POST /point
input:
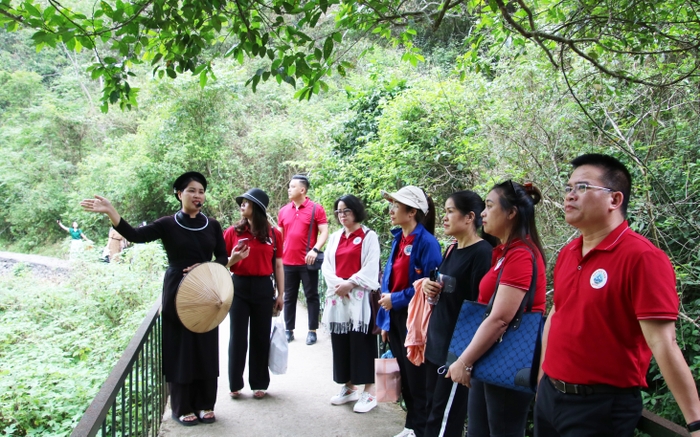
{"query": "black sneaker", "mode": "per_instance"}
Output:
(290, 335)
(311, 338)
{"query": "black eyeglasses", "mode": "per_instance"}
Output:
(345, 211)
(582, 187)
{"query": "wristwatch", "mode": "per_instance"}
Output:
(693, 426)
(314, 249)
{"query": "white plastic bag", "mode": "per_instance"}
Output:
(279, 350)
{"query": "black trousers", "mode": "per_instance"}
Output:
(293, 276)
(190, 398)
(353, 357)
(497, 411)
(252, 305)
(570, 415)
(446, 403)
(412, 376)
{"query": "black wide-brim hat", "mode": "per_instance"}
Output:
(177, 185)
(256, 195)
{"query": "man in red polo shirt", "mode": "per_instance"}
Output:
(615, 304)
(301, 248)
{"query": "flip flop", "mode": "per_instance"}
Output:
(235, 394)
(181, 420)
(259, 394)
(203, 419)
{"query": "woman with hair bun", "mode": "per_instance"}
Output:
(414, 253)
(463, 265)
(510, 217)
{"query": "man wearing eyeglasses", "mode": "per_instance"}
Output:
(615, 304)
(304, 227)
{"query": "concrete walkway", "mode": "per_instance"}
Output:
(296, 404)
(53, 263)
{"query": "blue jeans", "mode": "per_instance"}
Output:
(495, 411)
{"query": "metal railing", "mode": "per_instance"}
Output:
(657, 426)
(132, 400)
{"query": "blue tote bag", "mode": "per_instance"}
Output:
(513, 362)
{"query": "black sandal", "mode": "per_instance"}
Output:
(181, 420)
(203, 419)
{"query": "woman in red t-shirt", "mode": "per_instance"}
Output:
(256, 253)
(510, 217)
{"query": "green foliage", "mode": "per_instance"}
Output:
(59, 341)
(380, 125)
(362, 127)
(302, 43)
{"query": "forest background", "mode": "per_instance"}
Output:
(462, 104)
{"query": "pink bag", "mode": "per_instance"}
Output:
(387, 379)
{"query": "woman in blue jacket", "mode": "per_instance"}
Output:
(414, 253)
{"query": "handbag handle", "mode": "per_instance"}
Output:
(528, 300)
(311, 227)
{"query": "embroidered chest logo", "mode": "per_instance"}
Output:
(498, 263)
(357, 241)
(599, 278)
(407, 250)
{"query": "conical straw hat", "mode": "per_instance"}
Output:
(204, 297)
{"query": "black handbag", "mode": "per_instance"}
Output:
(513, 362)
(319, 255)
(374, 297)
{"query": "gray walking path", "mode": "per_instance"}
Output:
(296, 404)
(53, 263)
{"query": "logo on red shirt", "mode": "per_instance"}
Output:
(357, 241)
(407, 250)
(599, 278)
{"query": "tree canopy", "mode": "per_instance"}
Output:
(304, 41)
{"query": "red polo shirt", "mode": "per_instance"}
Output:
(517, 273)
(348, 255)
(259, 261)
(402, 261)
(295, 224)
(594, 336)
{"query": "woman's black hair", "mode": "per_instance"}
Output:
(354, 204)
(467, 202)
(523, 199)
(426, 219)
(260, 228)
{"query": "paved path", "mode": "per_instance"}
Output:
(46, 261)
(297, 404)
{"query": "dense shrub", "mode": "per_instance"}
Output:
(60, 339)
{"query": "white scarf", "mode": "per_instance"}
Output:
(352, 312)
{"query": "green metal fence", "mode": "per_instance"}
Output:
(132, 400)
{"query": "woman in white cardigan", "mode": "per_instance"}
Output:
(351, 269)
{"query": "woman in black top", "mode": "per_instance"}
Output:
(190, 360)
(465, 261)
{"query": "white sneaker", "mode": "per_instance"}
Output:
(366, 403)
(407, 432)
(346, 395)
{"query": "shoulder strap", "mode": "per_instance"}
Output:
(528, 299)
(449, 250)
(274, 246)
(311, 227)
